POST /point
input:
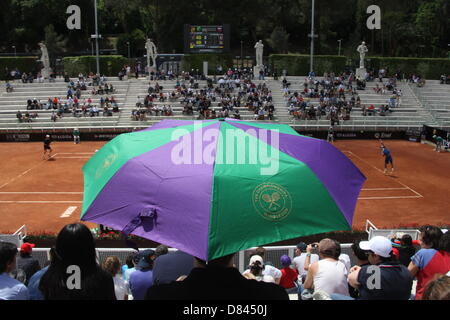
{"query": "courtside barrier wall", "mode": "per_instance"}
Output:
(38, 136)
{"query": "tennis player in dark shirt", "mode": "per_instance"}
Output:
(47, 149)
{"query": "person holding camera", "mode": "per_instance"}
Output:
(328, 275)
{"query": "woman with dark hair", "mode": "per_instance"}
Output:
(74, 273)
(433, 258)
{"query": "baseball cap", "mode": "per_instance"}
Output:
(302, 246)
(27, 247)
(145, 259)
(255, 259)
(378, 245)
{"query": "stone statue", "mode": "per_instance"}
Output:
(362, 49)
(45, 59)
(151, 53)
(259, 53)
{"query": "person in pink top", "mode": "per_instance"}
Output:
(432, 259)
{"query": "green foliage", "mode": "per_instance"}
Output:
(24, 64)
(195, 61)
(136, 40)
(298, 65)
(109, 65)
(428, 68)
(279, 40)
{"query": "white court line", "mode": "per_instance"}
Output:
(382, 172)
(68, 212)
(383, 198)
(73, 158)
(384, 189)
(41, 201)
(25, 172)
(69, 153)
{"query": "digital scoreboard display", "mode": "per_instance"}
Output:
(206, 39)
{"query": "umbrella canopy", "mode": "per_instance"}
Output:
(212, 188)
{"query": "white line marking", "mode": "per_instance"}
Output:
(80, 153)
(74, 158)
(41, 201)
(24, 173)
(382, 198)
(384, 189)
(382, 172)
(68, 212)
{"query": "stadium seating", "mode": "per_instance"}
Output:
(435, 97)
(409, 114)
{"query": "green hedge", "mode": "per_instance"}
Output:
(427, 67)
(24, 64)
(109, 65)
(195, 61)
(298, 64)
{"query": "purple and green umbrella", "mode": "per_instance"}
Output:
(212, 188)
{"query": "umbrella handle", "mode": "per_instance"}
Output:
(146, 218)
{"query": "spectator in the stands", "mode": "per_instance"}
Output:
(161, 250)
(255, 270)
(135, 260)
(269, 269)
(433, 258)
(33, 284)
(142, 279)
(217, 280)
(128, 265)
(19, 116)
(328, 275)
(26, 262)
(171, 266)
(10, 289)
(438, 288)
(121, 287)
(75, 246)
(406, 250)
(385, 278)
(299, 261)
(362, 259)
(289, 276)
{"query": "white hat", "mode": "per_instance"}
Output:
(256, 258)
(379, 245)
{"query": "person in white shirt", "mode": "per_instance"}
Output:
(10, 289)
(269, 270)
(328, 275)
(256, 270)
(121, 287)
(299, 261)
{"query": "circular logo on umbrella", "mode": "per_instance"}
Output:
(108, 162)
(272, 201)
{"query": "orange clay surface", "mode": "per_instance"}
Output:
(38, 193)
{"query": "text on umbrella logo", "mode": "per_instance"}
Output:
(272, 201)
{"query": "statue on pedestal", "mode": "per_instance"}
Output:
(45, 59)
(259, 46)
(151, 53)
(362, 49)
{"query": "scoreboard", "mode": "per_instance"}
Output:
(206, 39)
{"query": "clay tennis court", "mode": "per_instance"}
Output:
(46, 195)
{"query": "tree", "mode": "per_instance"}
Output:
(279, 40)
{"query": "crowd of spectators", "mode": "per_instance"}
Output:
(221, 99)
(160, 275)
(337, 96)
(445, 79)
